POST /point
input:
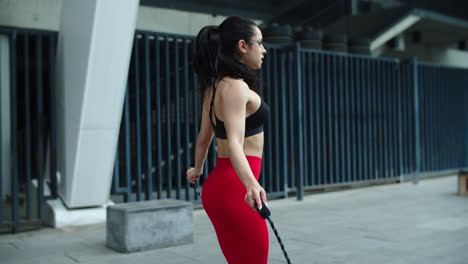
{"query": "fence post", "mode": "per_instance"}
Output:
(300, 155)
(14, 142)
(1, 141)
(415, 177)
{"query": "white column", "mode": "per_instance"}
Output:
(94, 49)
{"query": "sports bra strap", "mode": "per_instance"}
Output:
(212, 106)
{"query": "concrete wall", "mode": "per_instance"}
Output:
(36, 14)
(45, 14)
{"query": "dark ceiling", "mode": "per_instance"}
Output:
(312, 12)
(260, 9)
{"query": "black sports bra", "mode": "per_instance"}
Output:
(253, 123)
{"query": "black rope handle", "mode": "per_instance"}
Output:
(196, 189)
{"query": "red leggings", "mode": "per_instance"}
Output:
(242, 233)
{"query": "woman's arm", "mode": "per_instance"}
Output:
(234, 101)
(205, 137)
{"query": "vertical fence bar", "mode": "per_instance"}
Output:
(366, 118)
(293, 122)
(27, 122)
(416, 120)
(40, 127)
(149, 158)
(186, 115)
(335, 116)
(404, 129)
(284, 146)
(346, 121)
(274, 125)
(307, 113)
(410, 116)
(357, 120)
(167, 91)
(394, 113)
(158, 118)
(465, 111)
(52, 118)
(465, 128)
(426, 129)
(318, 143)
(1, 150)
(390, 123)
(360, 119)
(379, 161)
(268, 136)
(14, 137)
(444, 121)
(436, 119)
(447, 122)
(128, 161)
(369, 118)
(137, 111)
(452, 115)
(373, 119)
(329, 89)
(196, 115)
(300, 173)
(399, 102)
(342, 115)
(128, 150)
(177, 157)
(312, 131)
(354, 123)
(387, 121)
(430, 124)
(422, 109)
(323, 119)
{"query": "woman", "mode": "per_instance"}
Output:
(226, 59)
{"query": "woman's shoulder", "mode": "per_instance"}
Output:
(230, 85)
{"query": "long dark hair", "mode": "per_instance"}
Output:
(215, 53)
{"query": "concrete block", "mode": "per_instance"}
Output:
(145, 225)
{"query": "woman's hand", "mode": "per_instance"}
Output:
(255, 195)
(193, 175)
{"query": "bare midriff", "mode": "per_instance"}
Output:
(253, 146)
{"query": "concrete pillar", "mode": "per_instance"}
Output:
(94, 49)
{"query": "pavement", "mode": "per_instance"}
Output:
(392, 223)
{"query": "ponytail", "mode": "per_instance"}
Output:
(207, 56)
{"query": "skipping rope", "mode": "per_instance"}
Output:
(265, 214)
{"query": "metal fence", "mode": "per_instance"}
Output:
(28, 131)
(160, 120)
(443, 117)
(336, 119)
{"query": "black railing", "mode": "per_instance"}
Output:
(443, 117)
(32, 127)
(336, 119)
